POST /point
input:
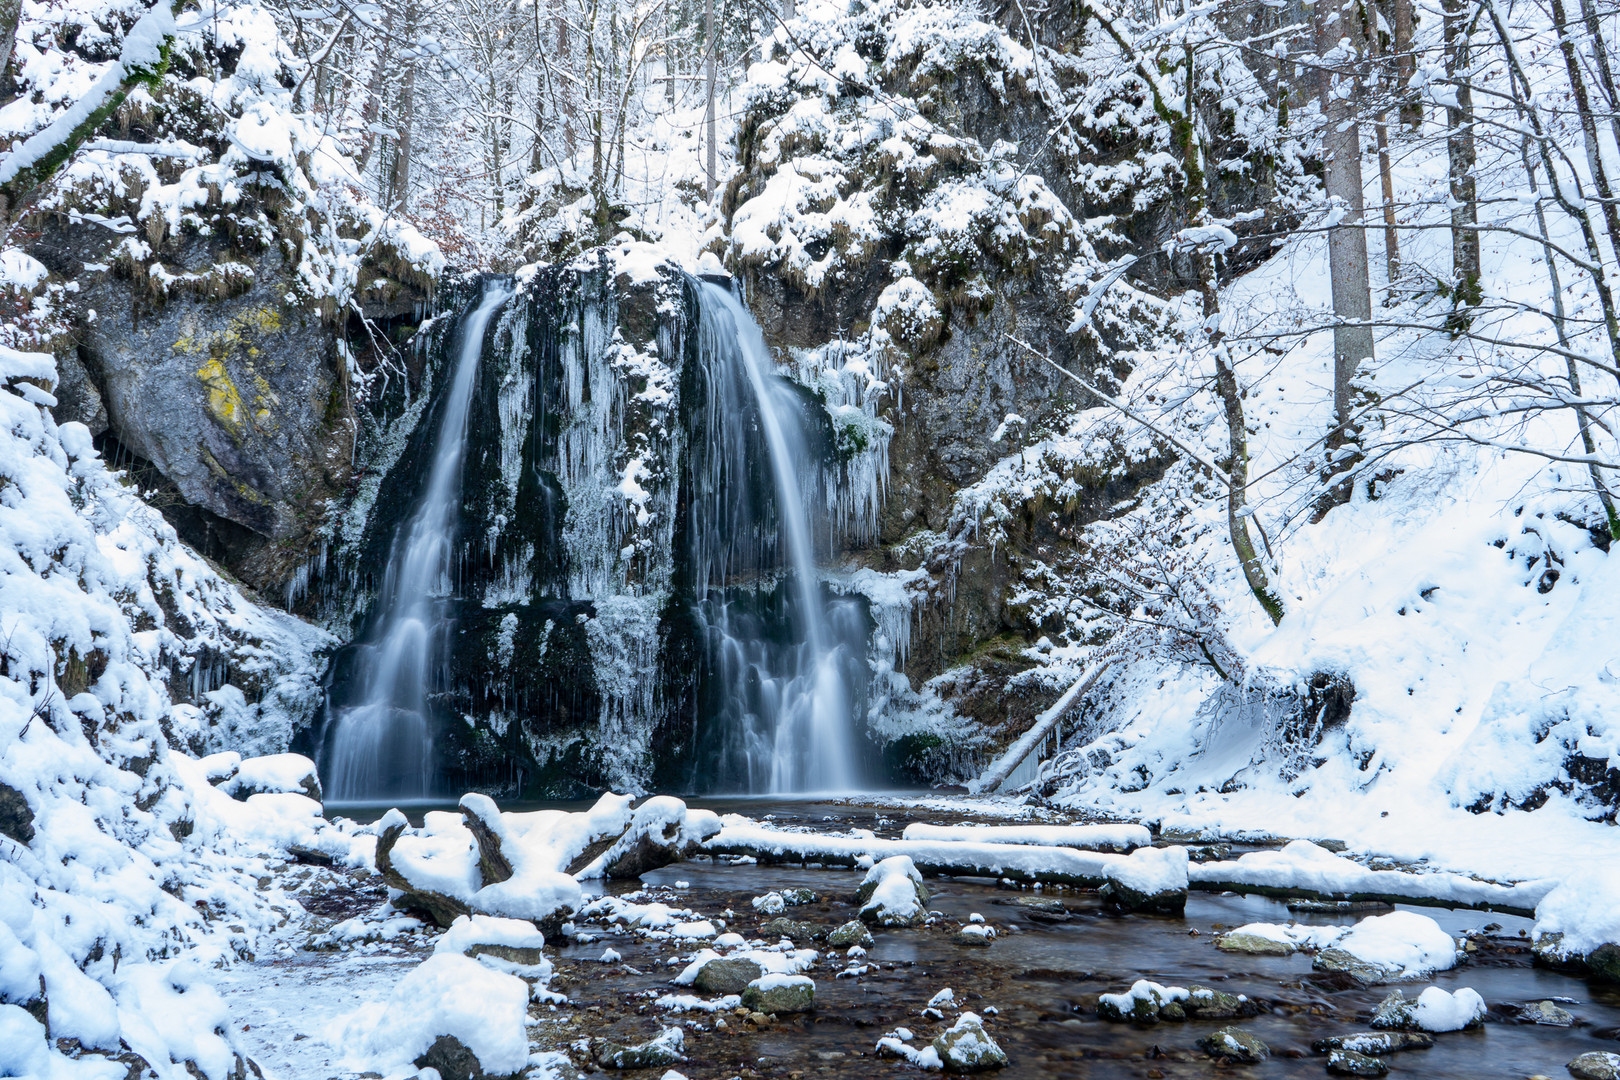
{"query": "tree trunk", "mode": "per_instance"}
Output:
(1605, 70)
(1461, 157)
(1582, 420)
(1589, 132)
(371, 111)
(1392, 241)
(399, 180)
(708, 108)
(1406, 66)
(10, 16)
(1339, 41)
(787, 10)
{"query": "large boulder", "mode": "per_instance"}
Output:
(1578, 923)
(965, 1047)
(893, 894)
(727, 975)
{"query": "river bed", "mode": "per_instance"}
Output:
(1036, 986)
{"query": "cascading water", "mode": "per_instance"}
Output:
(383, 746)
(783, 705)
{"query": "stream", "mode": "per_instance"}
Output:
(1036, 986)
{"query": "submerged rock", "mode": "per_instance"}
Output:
(1350, 1063)
(1041, 908)
(853, 932)
(1596, 1065)
(725, 976)
(1235, 1044)
(772, 994)
(966, 1047)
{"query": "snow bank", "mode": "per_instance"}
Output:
(1584, 910)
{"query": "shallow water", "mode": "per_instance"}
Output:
(1042, 978)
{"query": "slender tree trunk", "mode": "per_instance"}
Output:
(1406, 65)
(566, 97)
(1605, 69)
(1589, 132)
(787, 10)
(1461, 157)
(1339, 39)
(1582, 420)
(1392, 241)
(399, 182)
(371, 111)
(1226, 385)
(708, 108)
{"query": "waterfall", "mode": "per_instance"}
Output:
(383, 746)
(783, 704)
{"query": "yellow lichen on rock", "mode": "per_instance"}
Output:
(224, 400)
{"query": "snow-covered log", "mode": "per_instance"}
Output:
(1147, 879)
(997, 773)
(1304, 869)
(1121, 839)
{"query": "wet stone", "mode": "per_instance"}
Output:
(792, 929)
(1235, 1044)
(774, 994)
(652, 1054)
(1375, 1042)
(1204, 1003)
(719, 977)
(1350, 1063)
(1547, 1013)
(1596, 1065)
(1344, 963)
(1253, 945)
(967, 1048)
(976, 936)
(853, 932)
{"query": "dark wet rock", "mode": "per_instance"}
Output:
(454, 1061)
(727, 976)
(1395, 1012)
(1253, 945)
(1375, 1042)
(967, 1048)
(1596, 1065)
(1350, 1063)
(853, 932)
(1142, 1004)
(16, 816)
(1204, 1003)
(792, 929)
(1547, 1013)
(775, 994)
(657, 1053)
(798, 897)
(1602, 962)
(1234, 1044)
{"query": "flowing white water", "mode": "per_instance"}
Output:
(789, 707)
(383, 747)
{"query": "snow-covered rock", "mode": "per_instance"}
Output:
(447, 1007)
(780, 993)
(1434, 1010)
(893, 894)
(276, 774)
(1384, 948)
(965, 1047)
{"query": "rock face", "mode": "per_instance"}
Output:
(205, 377)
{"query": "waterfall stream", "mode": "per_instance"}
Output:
(383, 746)
(783, 704)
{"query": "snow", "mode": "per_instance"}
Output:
(1439, 1010)
(1584, 910)
(1089, 837)
(449, 994)
(1144, 990)
(1404, 943)
(777, 980)
(274, 773)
